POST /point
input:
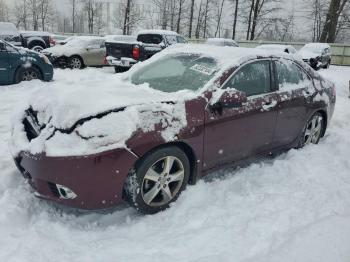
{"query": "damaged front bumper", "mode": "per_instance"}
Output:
(86, 182)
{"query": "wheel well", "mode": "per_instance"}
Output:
(36, 43)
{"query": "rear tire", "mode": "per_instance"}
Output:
(157, 180)
(38, 48)
(120, 69)
(27, 74)
(313, 130)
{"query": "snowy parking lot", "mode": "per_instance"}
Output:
(295, 207)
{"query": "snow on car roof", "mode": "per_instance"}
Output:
(317, 45)
(225, 56)
(273, 46)
(120, 38)
(35, 33)
(160, 32)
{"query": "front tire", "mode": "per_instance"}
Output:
(158, 180)
(27, 74)
(313, 130)
(76, 62)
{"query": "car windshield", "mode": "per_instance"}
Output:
(177, 72)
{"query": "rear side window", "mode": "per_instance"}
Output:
(253, 78)
(289, 74)
(150, 39)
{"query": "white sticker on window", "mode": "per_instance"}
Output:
(202, 69)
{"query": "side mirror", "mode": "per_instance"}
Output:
(162, 45)
(229, 99)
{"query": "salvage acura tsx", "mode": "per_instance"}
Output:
(166, 123)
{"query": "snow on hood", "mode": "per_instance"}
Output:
(63, 50)
(66, 107)
(127, 107)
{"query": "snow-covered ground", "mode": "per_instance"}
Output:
(295, 207)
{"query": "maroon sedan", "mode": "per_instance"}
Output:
(166, 123)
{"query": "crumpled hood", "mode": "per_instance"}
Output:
(307, 54)
(64, 109)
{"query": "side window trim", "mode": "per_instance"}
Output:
(272, 81)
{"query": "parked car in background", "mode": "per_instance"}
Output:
(10, 34)
(124, 54)
(189, 110)
(221, 42)
(318, 55)
(18, 64)
(78, 53)
(280, 48)
(58, 39)
(35, 40)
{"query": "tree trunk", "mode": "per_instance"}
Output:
(198, 27)
(250, 18)
(330, 28)
(179, 17)
(255, 19)
(191, 19)
(205, 19)
(219, 18)
(235, 21)
(126, 18)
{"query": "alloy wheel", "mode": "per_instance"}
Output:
(29, 74)
(75, 63)
(313, 130)
(162, 181)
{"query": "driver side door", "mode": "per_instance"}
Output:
(246, 130)
(4, 65)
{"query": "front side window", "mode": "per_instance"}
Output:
(252, 79)
(177, 72)
(289, 74)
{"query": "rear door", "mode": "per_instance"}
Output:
(294, 97)
(95, 53)
(4, 66)
(238, 133)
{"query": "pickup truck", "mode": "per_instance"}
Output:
(34, 40)
(124, 54)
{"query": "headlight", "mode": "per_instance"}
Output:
(46, 60)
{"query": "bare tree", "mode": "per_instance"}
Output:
(179, 16)
(126, 28)
(191, 19)
(234, 26)
(4, 11)
(219, 18)
(20, 13)
(74, 12)
(44, 9)
(206, 16)
(330, 27)
(199, 20)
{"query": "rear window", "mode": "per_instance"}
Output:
(150, 38)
